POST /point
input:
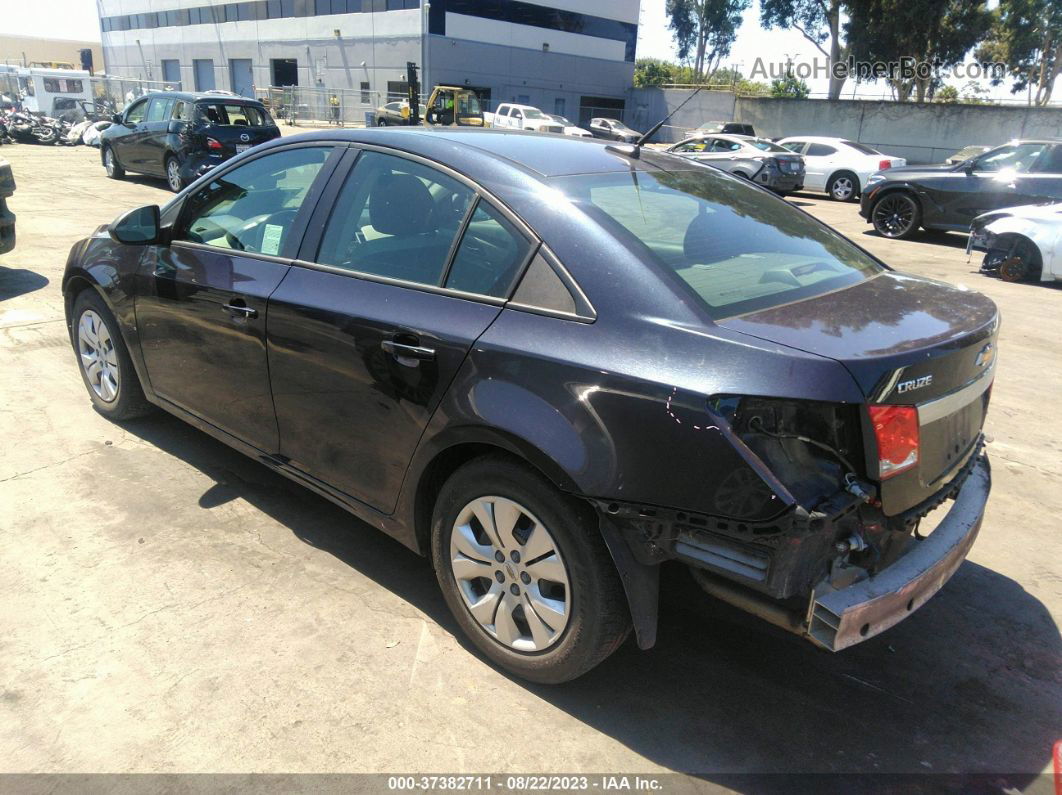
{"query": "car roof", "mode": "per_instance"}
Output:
(199, 96)
(542, 155)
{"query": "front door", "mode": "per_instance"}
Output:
(128, 142)
(156, 128)
(364, 342)
(999, 178)
(202, 302)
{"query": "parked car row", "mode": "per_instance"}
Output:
(757, 159)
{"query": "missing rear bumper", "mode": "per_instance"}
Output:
(845, 617)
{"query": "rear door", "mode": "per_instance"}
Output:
(1043, 183)
(818, 164)
(153, 143)
(371, 325)
(201, 301)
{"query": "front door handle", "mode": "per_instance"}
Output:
(240, 309)
(408, 352)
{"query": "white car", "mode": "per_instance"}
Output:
(1020, 243)
(524, 117)
(838, 166)
(569, 128)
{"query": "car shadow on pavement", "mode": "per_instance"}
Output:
(968, 686)
(934, 237)
(19, 281)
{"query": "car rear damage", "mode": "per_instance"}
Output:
(848, 553)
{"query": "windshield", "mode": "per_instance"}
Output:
(532, 113)
(866, 150)
(231, 114)
(733, 247)
(768, 146)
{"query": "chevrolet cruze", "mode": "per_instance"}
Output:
(552, 365)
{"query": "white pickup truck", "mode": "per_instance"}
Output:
(525, 117)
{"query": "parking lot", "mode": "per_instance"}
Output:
(172, 606)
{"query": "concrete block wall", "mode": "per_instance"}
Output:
(922, 133)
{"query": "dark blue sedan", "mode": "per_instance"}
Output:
(553, 365)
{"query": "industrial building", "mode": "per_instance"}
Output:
(573, 57)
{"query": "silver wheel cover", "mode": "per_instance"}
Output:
(99, 360)
(510, 574)
(173, 171)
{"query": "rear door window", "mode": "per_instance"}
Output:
(395, 218)
(224, 114)
(253, 206)
(820, 150)
(1018, 158)
(795, 146)
(490, 255)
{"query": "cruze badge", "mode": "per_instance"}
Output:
(985, 356)
(913, 384)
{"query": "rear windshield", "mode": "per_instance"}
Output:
(226, 114)
(735, 248)
(861, 148)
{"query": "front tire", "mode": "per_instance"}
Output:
(896, 215)
(103, 360)
(110, 162)
(525, 571)
(843, 186)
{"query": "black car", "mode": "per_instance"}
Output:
(181, 136)
(7, 218)
(725, 127)
(901, 200)
(552, 365)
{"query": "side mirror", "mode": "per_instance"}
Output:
(969, 166)
(116, 118)
(139, 227)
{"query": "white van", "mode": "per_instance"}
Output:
(53, 92)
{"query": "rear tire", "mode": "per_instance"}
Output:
(103, 360)
(843, 186)
(173, 175)
(110, 162)
(896, 215)
(549, 616)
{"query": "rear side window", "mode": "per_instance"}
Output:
(732, 247)
(795, 146)
(490, 255)
(252, 207)
(395, 218)
(219, 113)
(862, 148)
(182, 111)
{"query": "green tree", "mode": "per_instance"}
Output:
(789, 87)
(653, 72)
(1026, 35)
(819, 21)
(704, 31)
(947, 94)
(940, 32)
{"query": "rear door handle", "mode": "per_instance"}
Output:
(240, 309)
(402, 350)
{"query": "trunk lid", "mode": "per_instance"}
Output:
(906, 341)
(239, 138)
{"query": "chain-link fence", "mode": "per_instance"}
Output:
(322, 106)
(117, 92)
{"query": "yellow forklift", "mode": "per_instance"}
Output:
(448, 106)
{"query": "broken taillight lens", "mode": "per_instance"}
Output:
(896, 429)
(214, 144)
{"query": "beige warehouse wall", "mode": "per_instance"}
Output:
(12, 49)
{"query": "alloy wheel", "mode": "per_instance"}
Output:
(894, 215)
(173, 175)
(108, 161)
(98, 357)
(842, 189)
(510, 574)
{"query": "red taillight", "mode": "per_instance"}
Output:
(884, 164)
(213, 144)
(896, 429)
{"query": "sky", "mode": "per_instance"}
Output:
(76, 19)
